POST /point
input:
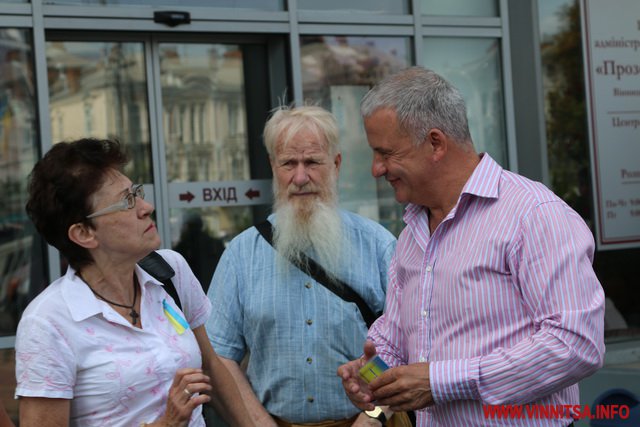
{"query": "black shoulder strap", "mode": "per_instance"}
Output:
(160, 269)
(320, 275)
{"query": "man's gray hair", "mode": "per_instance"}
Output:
(422, 100)
(286, 122)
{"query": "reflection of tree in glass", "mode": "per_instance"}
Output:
(567, 140)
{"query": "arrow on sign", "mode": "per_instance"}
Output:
(187, 196)
(252, 193)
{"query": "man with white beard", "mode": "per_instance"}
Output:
(296, 330)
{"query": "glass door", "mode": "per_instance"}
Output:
(190, 113)
(212, 193)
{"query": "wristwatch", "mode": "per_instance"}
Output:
(377, 414)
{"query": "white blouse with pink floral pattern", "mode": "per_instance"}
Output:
(71, 345)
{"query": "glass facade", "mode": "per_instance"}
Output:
(191, 112)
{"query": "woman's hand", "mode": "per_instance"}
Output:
(186, 393)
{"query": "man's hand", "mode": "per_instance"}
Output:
(404, 388)
(355, 388)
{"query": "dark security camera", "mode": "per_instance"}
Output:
(171, 18)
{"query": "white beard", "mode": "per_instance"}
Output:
(313, 228)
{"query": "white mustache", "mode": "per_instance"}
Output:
(307, 188)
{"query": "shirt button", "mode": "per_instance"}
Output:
(429, 268)
(424, 313)
(309, 360)
(309, 321)
(307, 285)
(310, 399)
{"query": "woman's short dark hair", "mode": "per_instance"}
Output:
(60, 188)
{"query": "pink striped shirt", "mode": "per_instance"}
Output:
(501, 300)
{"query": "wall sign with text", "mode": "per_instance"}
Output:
(223, 193)
(611, 41)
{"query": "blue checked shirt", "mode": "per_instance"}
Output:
(297, 331)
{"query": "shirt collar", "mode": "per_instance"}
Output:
(145, 278)
(81, 302)
(483, 182)
(79, 299)
(485, 179)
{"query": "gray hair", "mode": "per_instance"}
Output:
(422, 100)
(286, 122)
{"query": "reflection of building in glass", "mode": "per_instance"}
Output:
(17, 118)
(99, 89)
(204, 113)
(204, 126)
(17, 156)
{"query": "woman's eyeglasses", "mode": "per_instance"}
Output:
(128, 202)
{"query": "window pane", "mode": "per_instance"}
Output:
(473, 66)
(206, 144)
(376, 6)
(336, 72)
(21, 251)
(273, 5)
(460, 7)
(204, 114)
(98, 89)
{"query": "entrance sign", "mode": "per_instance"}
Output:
(611, 42)
(219, 193)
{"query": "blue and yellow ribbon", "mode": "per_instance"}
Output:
(179, 323)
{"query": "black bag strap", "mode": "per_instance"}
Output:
(320, 275)
(160, 269)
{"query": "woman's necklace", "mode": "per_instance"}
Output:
(133, 313)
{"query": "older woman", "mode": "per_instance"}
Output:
(99, 346)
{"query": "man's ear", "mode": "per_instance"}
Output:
(82, 235)
(439, 143)
(338, 161)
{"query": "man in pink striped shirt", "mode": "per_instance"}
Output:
(492, 298)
